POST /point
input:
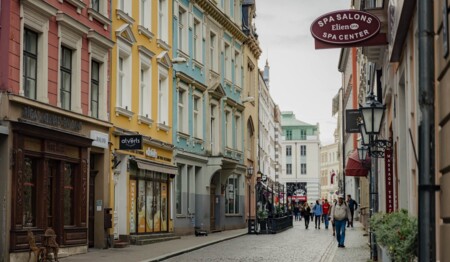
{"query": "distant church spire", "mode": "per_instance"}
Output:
(266, 76)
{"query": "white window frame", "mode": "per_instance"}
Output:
(197, 39)
(288, 169)
(163, 23)
(183, 108)
(145, 84)
(228, 128)
(238, 68)
(227, 58)
(72, 40)
(238, 131)
(232, 194)
(288, 150)
(125, 6)
(183, 40)
(302, 150)
(163, 96)
(214, 122)
(145, 13)
(37, 20)
(123, 91)
(100, 55)
(213, 45)
(197, 119)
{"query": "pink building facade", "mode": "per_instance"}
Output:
(54, 142)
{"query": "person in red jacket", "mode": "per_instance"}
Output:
(326, 212)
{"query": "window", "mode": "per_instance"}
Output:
(232, 195)
(198, 124)
(303, 150)
(228, 130)
(163, 20)
(96, 5)
(66, 78)
(289, 169)
(237, 69)
(125, 6)
(227, 61)
(303, 168)
(288, 150)
(182, 30)
(303, 134)
(197, 41)
(178, 189)
(30, 57)
(226, 7)
(145, 13)
(29, 192)
(124, 77)
(289, 134)
(145, 96)
(95, 76)
(69, 204)
(237, 120)
(182, 110)
(213, 52)
(163, 99)
(214, 129)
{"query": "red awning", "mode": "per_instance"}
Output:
(299, 198)
(354, 167)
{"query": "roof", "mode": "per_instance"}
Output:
(288, 119)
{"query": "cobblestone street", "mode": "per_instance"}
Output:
(296, 244)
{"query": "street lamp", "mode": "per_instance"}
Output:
(362, 153)
(372, 115)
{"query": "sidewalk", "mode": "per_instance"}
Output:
(158, 251)
(356, 249)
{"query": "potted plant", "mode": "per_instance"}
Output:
(262, 218)
(397, 232)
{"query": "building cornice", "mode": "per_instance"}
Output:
(253, 44)
(210, 7)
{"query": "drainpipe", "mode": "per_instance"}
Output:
(427, 187)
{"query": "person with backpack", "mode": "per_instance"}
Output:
(340, 213)
(317, 210)
(353, 206)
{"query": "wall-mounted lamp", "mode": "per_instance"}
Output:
(250, 171)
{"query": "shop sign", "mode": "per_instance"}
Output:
(389, 181)
(345, 27)
(352, 120)
(130, 142)
(99, 139)
(151, 152)
(50, 119)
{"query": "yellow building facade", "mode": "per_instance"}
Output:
(141, 113)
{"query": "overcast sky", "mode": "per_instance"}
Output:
(302, 79)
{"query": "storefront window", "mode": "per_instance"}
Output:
(68, 194)
(29, 192)
(232, 195)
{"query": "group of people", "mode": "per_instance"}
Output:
(340, 214)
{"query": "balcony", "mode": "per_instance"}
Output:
(378, 8)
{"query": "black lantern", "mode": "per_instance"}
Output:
(365, 138)
(372, 115)
(250, 170)
(363, 151)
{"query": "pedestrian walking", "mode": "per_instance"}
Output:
(340, 213)
(311, 205)
(317, 210)
(306, 211)
(326, 212)
(296, 212)
(353, 206)
(332, 221)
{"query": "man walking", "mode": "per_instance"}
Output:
(353, 206)
(317, 210)
(340, 212)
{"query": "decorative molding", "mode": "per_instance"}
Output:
(41, 7)
(162, 44)
(79, 4)
(124, 112)
(71, 23)
(144, 50)
(100, 39)
(124, 16)
(99, 17)
(145, 120)
(163, 127)
(146, 32)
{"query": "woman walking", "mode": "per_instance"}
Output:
(306, 212)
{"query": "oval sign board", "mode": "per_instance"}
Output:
(345, 27)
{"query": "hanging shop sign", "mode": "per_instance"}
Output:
(389, 181)
(352, 120)
(130, 142)
(347, 28)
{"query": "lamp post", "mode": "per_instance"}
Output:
(251, 224)
(372, 115)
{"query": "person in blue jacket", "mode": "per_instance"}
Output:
(317, 210)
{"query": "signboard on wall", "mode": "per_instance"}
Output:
(389, 181)
(130, 142)
(352, 119)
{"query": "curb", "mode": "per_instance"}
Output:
(187, 250)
